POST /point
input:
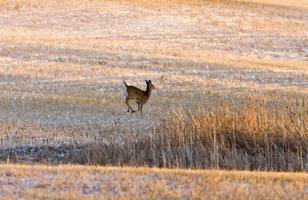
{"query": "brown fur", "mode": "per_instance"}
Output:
(140, 96)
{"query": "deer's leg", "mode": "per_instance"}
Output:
(128, 105)
(140, 108)
(138, 102)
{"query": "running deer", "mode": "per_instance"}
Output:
(140, 96)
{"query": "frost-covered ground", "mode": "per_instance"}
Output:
(62, 68)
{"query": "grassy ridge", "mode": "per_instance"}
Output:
(91, 182)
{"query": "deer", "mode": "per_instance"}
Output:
(140, 96)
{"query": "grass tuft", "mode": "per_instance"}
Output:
(255, 137)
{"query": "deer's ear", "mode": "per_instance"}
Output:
(149, 81)
(146, 81)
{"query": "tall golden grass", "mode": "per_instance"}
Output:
(251, 135)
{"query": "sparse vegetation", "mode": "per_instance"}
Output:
(90, 182)
(231, 79)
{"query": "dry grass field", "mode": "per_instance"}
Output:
(62, 66)
(90, 182)
(232, 93)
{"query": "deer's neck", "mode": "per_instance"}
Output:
(148, 91)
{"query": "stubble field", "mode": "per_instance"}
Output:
(90, 182)
(231, 79)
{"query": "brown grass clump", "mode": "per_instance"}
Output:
(246, 134)
(254, 137)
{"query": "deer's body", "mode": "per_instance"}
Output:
(140, 96)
